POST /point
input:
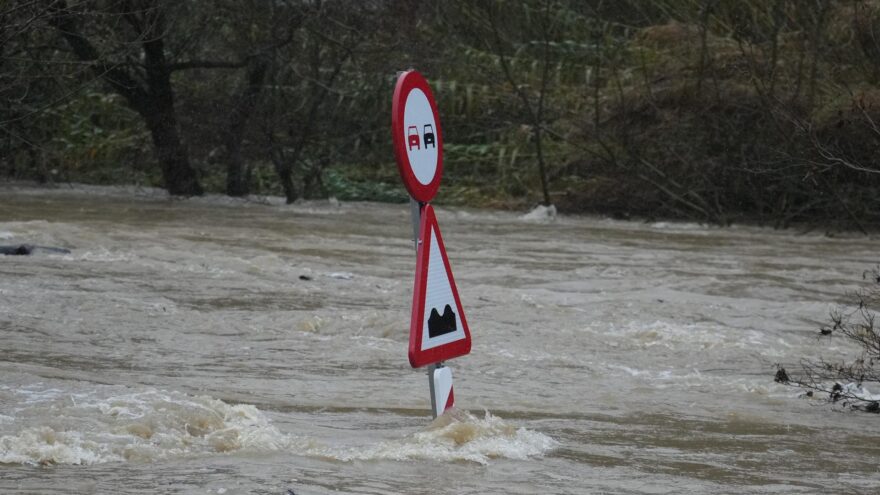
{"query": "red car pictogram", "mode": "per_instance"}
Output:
(412, 133)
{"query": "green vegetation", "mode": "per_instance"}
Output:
(719, 111)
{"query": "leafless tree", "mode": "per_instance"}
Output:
(846, 382)
(136, 47)
(304, 87)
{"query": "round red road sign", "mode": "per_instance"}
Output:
(416, 134)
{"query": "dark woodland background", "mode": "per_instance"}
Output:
(720, 111)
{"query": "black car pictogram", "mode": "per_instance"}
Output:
(428, 132)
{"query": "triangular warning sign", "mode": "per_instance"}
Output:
(438, 330)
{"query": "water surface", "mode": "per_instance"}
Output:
(220, 346)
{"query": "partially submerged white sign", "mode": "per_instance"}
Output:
(438, 330)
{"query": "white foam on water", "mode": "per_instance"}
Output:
(540, 214)
(341, 275)
(454, 436)
(689, 226)
(701, 336)
(100, 254)
(141, 426)
(111, 424)
(644, 334)
(45, 445)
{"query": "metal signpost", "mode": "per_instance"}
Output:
(438, 328)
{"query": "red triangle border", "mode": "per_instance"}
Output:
(457, 348)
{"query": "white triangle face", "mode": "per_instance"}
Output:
(441, 322)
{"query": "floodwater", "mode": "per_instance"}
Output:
(215, 346)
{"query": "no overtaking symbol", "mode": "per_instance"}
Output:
(417, 136)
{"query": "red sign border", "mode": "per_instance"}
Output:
(406, 82)
(417, 356)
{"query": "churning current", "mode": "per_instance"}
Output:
(221, 346)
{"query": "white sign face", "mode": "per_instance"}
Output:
(420, 136)
(441, 323)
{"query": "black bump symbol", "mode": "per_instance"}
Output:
(441, 325)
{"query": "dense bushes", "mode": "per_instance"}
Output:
(719, 111)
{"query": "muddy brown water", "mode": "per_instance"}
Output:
(230, 347)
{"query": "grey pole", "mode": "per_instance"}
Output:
(415, 209)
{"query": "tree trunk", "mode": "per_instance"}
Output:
(290, 194)
(705, 14)
(154, 102)
(179, 177)
(542, 169)
(815, 41)
(284, 165)
(237, 176)
(285, 175)
(536, 112)
(539, 113)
